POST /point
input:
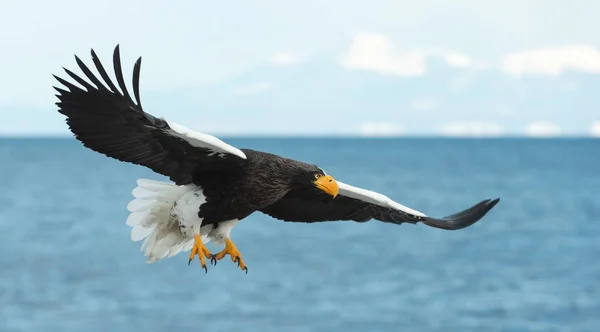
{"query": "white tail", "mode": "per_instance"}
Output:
(150, 219)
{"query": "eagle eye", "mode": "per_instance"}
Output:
(317, 175)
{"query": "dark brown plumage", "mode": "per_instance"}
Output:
(229, 184)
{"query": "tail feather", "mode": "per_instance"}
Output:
(150, 219)
(138, 205)
(139, 233)
(165, 242)
(154, 185)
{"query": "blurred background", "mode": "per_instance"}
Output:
(435, 104)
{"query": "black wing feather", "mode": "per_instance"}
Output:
(102, 72)
(119, 74)
(310, 206)
(136, 81)
(88, 73)
(108, 121)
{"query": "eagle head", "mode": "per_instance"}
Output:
(315, 178)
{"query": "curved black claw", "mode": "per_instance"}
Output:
(205, 269)
(213, 260)
(239, 261)
(190, 261)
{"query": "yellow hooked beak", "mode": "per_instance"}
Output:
(327, 184)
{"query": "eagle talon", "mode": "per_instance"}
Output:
(199, 249)
(232, 251)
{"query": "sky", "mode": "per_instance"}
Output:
(370, 68)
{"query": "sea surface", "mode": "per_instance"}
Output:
(532, 264)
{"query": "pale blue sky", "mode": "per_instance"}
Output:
(460, 67)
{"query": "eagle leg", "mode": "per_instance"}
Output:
(200, 249)
(232, 251)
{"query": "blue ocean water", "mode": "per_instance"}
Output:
(532, 264)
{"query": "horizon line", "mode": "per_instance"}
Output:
(330, 136)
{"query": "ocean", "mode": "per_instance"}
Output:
(531, 264)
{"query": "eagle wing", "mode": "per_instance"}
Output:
(362, 205)
(108, 121)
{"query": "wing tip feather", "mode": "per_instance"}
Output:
(464, 218)
(93, 53)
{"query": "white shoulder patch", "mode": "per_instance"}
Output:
(204, 140)
(374, 198)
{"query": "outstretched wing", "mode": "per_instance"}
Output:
(108, 121)
(362, 205)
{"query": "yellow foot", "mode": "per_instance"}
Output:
(200, 249)
(232, 251)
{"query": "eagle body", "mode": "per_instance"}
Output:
(238, 192)
(212, 204)
(213, 184)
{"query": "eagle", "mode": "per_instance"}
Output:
(213, 185)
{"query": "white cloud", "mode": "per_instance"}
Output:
(595, 129)
(472, 129)
(553, 61)
(380, 129)
(376, 52)
(542, 129)
(283, 59)
(455, 59)
(423, 104)
(253, 88)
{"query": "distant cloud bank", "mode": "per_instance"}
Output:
(376, 52)
(542, 129)
(471, 129)
(373, 129)
(595, 129)
(553, 61)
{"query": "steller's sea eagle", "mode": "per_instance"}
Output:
(215, 185)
